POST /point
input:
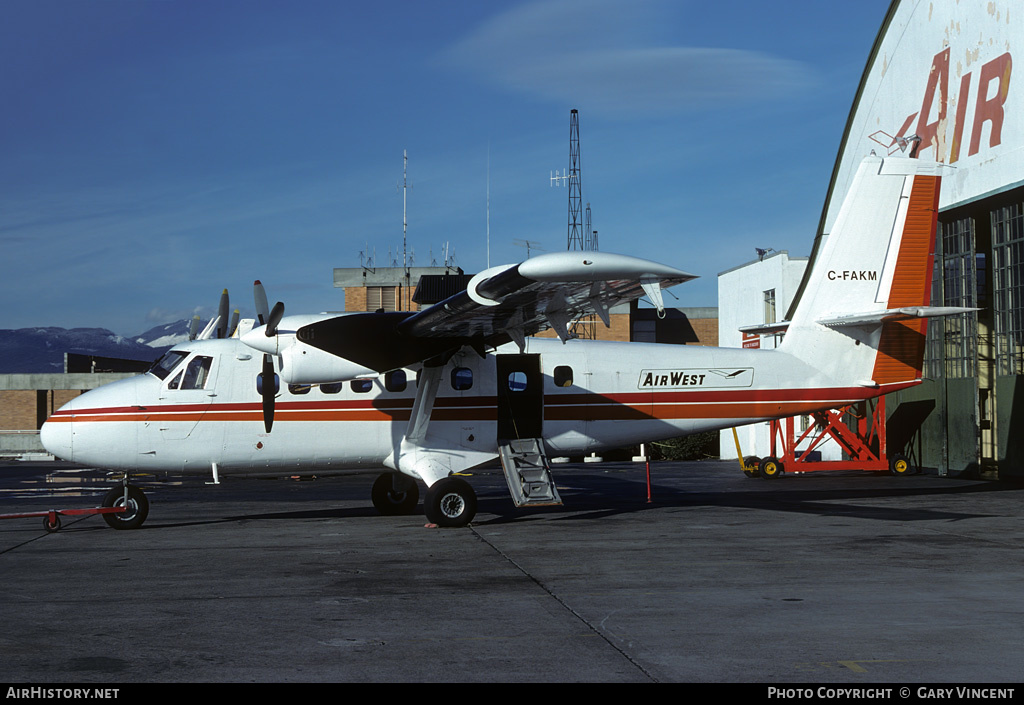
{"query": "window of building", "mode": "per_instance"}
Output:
(769, 306)
(380, 297)
(959, 288)
(1008, 288)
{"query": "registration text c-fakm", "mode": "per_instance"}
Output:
(850, 275)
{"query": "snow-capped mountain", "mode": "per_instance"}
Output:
(28, 350)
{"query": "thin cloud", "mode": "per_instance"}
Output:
(630, 73)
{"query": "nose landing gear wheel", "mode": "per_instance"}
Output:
(136, 512)
(450, 502)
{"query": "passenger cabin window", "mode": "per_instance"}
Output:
(259, 384)
(563, 376)
(462, 379)
(517, 382)
(195, 374)
(299, 388)
(332, 388)
(361, 386)
(395, 381)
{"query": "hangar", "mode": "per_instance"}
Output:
(939, 85)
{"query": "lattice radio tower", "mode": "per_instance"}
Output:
(575, 188)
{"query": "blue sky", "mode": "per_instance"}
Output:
(156, 152)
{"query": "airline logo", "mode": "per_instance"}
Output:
(946, 130)
(701, 378)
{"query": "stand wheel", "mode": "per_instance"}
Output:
(900, 465)
(771, 468)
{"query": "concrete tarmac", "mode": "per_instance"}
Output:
(827, 577)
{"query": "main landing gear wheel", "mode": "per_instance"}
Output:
(900, 465)
(394, 494)
(136, 512)
(770, 468)
(450, 502)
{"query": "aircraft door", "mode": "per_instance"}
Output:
(187, 394)
(520, 389)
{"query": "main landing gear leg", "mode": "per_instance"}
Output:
(135, 503)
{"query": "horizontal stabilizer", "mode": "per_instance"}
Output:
(766, 328)
(893, 314)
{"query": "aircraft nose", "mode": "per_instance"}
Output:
(57, 434)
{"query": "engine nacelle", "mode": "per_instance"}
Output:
(304, 364)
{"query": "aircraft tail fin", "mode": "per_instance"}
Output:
(865, 307)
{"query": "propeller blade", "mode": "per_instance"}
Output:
(276, 314)
(268, 392)
(223, 313)
(262, 308)
(234, 322)
(193, 329)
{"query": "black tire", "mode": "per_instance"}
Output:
(900, 465)
(770, 468)
(138, 508)
(450, 502)
(750, 466)
(51, 527)
(394, 494)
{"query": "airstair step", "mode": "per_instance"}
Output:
(527, 472)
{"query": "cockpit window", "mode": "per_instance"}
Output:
(166, 364)
(195, 374)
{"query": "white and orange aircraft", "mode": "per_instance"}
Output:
(430, 394)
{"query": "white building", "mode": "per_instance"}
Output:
(756, 293)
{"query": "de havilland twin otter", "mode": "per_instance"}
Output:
(430, 394)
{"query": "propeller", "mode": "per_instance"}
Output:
(223, 313)
(270, 319)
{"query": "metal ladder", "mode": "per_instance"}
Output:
(527, 472)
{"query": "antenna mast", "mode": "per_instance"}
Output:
(405, 303)
(575, 188)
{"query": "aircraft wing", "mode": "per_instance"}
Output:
(500, 304)
(549, 291)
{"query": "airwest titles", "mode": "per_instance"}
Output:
(682, 379)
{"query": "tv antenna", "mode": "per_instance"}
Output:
(528, 244)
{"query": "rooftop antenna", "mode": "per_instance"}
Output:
(488, 205)
(405, 223)
(528, 244)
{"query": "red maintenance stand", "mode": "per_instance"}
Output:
(862, 440)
